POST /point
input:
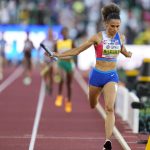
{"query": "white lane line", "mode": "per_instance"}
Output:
(100, 110)
(37, 116)
(11, 78)
(53, 137)
(41, 136)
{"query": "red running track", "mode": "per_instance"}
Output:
(83, 129)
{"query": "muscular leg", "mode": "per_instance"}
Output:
(60, 86)
(94, 93)
(69, 82)
(68, 103)
(51, 77)
(59, 98)
(29, 66)
(48, 77)
(110, 91)
(1, 67)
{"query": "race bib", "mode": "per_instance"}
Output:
(111, 48)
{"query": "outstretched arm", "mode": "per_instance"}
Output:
(78, 50)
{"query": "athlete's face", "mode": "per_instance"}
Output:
(50, 34)
(65, 32)
(112, 26)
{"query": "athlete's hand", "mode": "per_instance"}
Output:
(53, 56)
(46, 54)
(129, 54)
(125, 52)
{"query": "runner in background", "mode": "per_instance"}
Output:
(2, 54)
(66, 67)
(48, 64)
(27, 61)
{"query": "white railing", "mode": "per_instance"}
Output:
(124, 110)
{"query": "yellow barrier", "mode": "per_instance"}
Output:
(145, 72)
(131, 78)
(148, 144)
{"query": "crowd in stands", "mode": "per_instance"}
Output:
(81, 16)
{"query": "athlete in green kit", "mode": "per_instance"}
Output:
(65, 67)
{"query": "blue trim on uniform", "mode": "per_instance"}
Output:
(107, 59)
(117, 37)
(99, 78)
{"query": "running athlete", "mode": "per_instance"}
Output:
(103, 77)
(47, 64)
(2, 54)
(66, 67)
(28, 47)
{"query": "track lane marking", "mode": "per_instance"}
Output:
(57, 137)
(100, 110)
(37, 116)
(11, 78)
(53, 137)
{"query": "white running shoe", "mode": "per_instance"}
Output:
(27, 81)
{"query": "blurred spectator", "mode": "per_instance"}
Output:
(4, 13)
(143, 37)
(78, 15)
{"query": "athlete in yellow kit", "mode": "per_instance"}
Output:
(66, 67)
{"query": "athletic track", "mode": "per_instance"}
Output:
(30, 121)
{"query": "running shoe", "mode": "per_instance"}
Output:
(107, 145)
(68, 107)
(27, 81)
(58, 101)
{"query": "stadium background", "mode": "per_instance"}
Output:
(83, 18)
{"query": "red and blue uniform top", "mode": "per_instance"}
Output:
(109, 48)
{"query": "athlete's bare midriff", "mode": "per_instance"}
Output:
(105, 65)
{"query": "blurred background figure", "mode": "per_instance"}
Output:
(2, 54)
(66, 67)
(27, 61)
(79, 16)
(47, 63)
